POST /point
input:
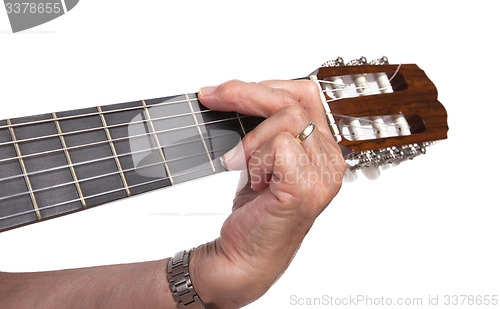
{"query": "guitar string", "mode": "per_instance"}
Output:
(96, 113)
(107, 158)
(366, 120)
(356, 88)
(93, 129)
(55, 135)
(116, 139)
(138, 152)
(79, 181)
(99, 194)
(110, 157)
(134, 136)
(370, 93)
(345, 86)
(142, 121)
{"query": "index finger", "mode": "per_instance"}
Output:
(250, 99)
(266, 98)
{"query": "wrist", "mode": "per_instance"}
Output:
(201, 277)
(219, 282)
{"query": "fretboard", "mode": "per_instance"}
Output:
(58, 163)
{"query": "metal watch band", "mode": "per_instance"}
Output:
(179, 280)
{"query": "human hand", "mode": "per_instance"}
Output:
(285, 186)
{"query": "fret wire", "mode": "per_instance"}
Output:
(200, 133)
(112, 173)
(25, 172)
(106, 158)
(96, 195)
(241, 123)
(31, 139)
(70, 162)
(90, 114)
(113, 150)
(155, 136)
(114, 140)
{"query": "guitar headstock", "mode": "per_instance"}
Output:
(380, 113)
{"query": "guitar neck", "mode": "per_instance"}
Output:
(58, 163)
(54, 164)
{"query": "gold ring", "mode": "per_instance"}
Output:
(306, 132)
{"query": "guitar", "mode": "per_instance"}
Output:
(58, 163)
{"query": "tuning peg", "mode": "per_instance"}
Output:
(334, 63)
(380, 61)
(360, 61)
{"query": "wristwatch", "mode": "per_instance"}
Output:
(179, 280)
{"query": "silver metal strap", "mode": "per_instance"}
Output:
(179, 280)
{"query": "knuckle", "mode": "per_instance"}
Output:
(230, 90)
(282, 142)
(311, 88)
(286, 199)
(296, 114)
(286, 97)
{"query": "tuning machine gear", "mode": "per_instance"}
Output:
(334, 63)
(380, 61)
(339, 61)
(379, 157)
(360, 61)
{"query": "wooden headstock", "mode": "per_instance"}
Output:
(381, 107)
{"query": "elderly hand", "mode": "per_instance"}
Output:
(285, 186)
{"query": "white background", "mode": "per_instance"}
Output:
(426, 227)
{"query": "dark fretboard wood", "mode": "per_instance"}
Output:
(55, 164)
(16, 207)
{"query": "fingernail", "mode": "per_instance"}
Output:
(234, 159)
(206, 91)
(243, 181)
